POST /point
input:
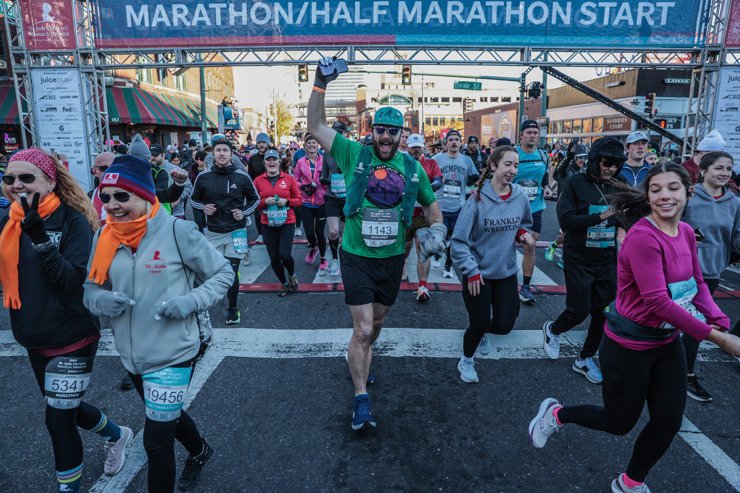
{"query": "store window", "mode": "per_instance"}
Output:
(567, 126)
(586, 126)
(598, 125)
(577, 126)
(557, 127)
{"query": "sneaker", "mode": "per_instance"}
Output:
(362, 418)
(696, 391)
(284, 290)
(551, 343)
(484, 347)
(293, 283)
(405, 275)
(550, 252)
(560, 263)
(233, 316)
(587, 367)
(115, 452)
(436, 262)
(312, 255)
(544, 424)
(247, 260)
(447, 272)
(525, 294)
(618, 486)
(370, 378)
(467, 371)
(193, 467)
(323, 264)
(334, 268)
(126, 383)
(298, 232)
(422, 294)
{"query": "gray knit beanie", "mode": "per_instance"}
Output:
(138, 148)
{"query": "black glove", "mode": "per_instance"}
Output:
(308, 189)
(33, 223)
(321, 80)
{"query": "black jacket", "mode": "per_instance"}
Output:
(50, 285)
(227, 188)
(479, 159)
(579, 193)
(256, 165)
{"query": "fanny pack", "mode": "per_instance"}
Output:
(628, 329)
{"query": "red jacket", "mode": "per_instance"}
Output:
(692, 168)
(285, 188)
(432, 169)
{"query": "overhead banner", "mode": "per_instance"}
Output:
(726, 117)
(732, 36)
(48, 24)
(455, 23)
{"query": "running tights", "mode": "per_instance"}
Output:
(499, 294)
(62, 423)
(631, 377)
(314, 222)
(691, 345)
(233, 291)
(279, 244)
(159, 442)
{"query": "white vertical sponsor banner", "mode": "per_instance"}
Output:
(60, 118)
(726, 118)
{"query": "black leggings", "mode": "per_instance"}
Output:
(233, 291)
(691, 345)
(279, 244)
(298, 219)
(502, 295)
(631, 377)
(258, 220)
(159, 441)
(590, 289)
(62, 423)
(314, 221)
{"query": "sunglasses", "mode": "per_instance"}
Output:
(24, 178)
(392, 131)
(119, 196)
(610, 163)
(102, 169)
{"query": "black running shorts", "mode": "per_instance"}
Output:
(370, 280)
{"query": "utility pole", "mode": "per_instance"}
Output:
(543, 108)
(522, 97)
(203, 115)
(421, 123)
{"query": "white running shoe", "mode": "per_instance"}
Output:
(551, 342)
(298, 232)
(115, 452)
(544, 424)
(447, 273)
(259, 239)
(618, 486)
(467, 371)
(484, 347)
(422, 294)
(334, 268)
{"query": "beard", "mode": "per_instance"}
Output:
(382, 155)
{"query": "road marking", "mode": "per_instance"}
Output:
(711, 453)
(259, 261)
(136, 455)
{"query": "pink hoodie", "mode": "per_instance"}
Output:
(648, 261)
(302, 176)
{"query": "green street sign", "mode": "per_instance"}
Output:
(468, 85)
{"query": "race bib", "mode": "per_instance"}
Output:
(531, 188)
(276, 216)
(338, 186)
(601, 235)
(380, 227)
(164, 393)
(66, 380)
(452, 189)
(683, 293)
(239, 237)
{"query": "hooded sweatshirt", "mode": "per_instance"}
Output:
(719, 221)
(486, 231)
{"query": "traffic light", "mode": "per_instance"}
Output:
(662, 123)
(302, 73)
(406, 75)
(649, 103)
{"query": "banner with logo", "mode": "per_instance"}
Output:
(438, 23)
(60, 119)
(48, 24)
(727, 109)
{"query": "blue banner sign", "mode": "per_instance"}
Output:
(446, 23)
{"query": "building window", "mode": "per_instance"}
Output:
(445, 100)
(586, 126)
(429, 120)
(434, 100)
(598, 125)
(442, 121)
(457, 100)
(506, 99)
(494, 99)
(435, 121)
(557, 127)
(419, 100)
(577, 125)
(567, 126)
(484, 99)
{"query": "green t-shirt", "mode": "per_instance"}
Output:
(384, 191)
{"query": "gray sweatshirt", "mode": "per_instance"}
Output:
(485, 233)
(719, 220)
(455, 174)
(157, 273)
(180, 209)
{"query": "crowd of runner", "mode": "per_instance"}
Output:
(643, 239)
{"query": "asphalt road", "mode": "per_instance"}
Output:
(273, 398)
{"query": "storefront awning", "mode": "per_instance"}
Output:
(135, 105)
(8, 106)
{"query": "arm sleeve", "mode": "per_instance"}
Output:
(171, 193)
(460, 252)
(263, 195)
(546, 176)
(736, 231)
(93, 290)
(325, 179)
(703, 300)
(425, 196)
(473, 173)
(66, 265)
(298, 173)
(251, 197)
(196, 200)
(295, 195)
(187, 190)
(567, 209)
(645, 258)
(342, 151)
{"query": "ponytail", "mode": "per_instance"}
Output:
(494, 159)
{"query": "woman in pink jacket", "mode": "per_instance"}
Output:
(313, 211)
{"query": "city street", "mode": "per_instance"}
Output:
(273, 398)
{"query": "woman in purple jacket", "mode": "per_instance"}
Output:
(661, 291)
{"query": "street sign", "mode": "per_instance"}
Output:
(468, 85)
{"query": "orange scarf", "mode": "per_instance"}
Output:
(10, 248)
(113, 234)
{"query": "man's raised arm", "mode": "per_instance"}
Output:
(317, 127)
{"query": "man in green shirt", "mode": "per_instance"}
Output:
(382, 187)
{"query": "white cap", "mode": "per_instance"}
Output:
(712, 142)
(415, 140)
(637, 136)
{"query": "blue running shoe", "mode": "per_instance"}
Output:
(550, 252)
(525, 294)
(362, 418)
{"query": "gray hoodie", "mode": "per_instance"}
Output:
(719, 221)
(180, 209)
(158, 273)
(485, 233)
